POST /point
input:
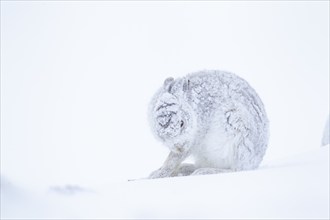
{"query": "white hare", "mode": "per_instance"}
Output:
(213, 116)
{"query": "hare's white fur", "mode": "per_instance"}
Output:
(216, 117)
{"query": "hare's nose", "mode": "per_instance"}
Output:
(165, 125)
(164, 122)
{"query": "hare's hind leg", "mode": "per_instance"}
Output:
(185, 169)
(206, 171)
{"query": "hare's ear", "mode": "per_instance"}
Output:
(186, 85)
(168, 84)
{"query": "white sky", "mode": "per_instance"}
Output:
(76, 78)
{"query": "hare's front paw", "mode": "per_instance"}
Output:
(160, 173)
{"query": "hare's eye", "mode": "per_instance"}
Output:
(181, 124)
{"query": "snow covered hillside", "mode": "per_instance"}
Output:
(294, 187)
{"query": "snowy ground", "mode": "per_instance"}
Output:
(295, 187)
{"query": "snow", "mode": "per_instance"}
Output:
(326, 133)
(293, 187)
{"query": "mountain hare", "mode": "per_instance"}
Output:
(213, 116)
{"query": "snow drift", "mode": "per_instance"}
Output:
(295, 187)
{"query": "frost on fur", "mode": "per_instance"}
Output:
(213, 116)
